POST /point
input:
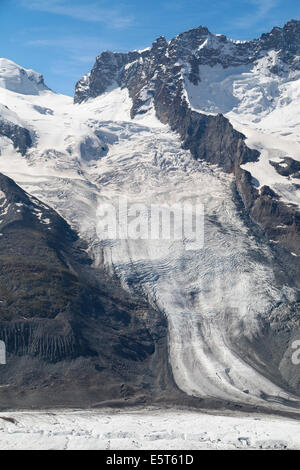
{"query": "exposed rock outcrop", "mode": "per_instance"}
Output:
(287, 167)
(19, 136)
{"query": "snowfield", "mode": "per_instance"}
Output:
(90, 154)
(144, 429)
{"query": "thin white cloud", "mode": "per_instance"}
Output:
(87, 11)
(261, 12)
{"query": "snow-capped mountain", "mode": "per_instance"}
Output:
(19, 80)
(191, 120)
(254, 84)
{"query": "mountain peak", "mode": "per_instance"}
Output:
(190, 50)
(160, 40)
(15, 78)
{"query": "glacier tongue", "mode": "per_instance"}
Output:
(211, 295)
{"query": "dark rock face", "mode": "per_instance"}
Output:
(105, 73)
(287, 167)
(286, 41)
(209, 138)
(280, 221)
(73, 336)
(19, 136)
(49, 340)
(34, 251)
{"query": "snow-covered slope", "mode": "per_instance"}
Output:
(15, 78)
(262, 105)
(88, 154)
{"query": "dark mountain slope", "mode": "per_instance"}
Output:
(73, 337)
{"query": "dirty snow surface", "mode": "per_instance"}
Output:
(145, 429)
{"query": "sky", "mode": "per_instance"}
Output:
(61, 38)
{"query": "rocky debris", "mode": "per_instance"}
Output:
(49, 340)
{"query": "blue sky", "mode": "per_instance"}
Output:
(60, 38)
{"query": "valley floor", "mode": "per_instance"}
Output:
(145, 429)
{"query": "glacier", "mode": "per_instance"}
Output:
(87, 154)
